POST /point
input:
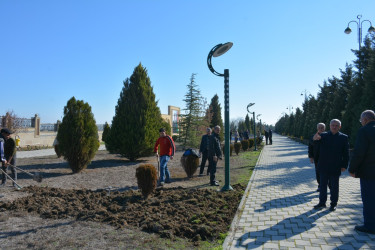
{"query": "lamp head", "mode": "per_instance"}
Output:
(348, 30)
(371, 29)
(222, 49)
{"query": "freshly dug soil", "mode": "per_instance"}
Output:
(195, 214)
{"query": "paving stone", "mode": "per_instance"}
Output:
(278, 211)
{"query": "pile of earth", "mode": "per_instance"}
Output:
(196, 214)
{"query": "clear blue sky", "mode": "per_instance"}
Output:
(53, 50)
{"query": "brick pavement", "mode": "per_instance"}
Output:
(277, 212)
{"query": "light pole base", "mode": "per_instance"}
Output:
(226, 188)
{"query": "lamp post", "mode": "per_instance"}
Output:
(254, 129)
(359, 28)
(216, 51)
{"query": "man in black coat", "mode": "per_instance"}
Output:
(362, 165)
(214, 153)
(313, 151)
(270, 136)
(203, 150)
(266, 134)
(333, 159)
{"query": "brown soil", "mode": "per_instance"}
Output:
(106, 193)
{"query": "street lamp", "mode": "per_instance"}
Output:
(359, 27)
(216, 51)
(253, 113)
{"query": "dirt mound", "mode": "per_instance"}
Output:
(196, 214)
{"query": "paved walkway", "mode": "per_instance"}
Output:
(277, 212)
(42, 152)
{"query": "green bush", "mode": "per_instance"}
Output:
(78, 135)
(190, 164)
(245, 145)
(106, 131)
(231, 147)
(237, 147)
(251, 143)
(146, 178)
(259, 140)
(135, 126)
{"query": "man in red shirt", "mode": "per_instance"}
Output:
(167, 149)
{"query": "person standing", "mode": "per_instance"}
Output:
(333, 159)
(10, 155)
(203, 150)
(270, 136)
(236, 135)
(2, 156)
(167, 150)
(214, 153)
(362, 165)
(313, 151)
(266, 134)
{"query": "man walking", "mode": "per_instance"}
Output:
(313, 151)
(9, 154)
(214, 153)
(167, 149)
(333, 159)
(266, 134)
(362, 165)
(2, 156)
(203, 149)
(270, 136)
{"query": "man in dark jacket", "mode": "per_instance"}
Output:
(270, 136)
(9, 154)
(203, 150)
(362, 165)
(313, 151)
(214, 153)
(333, 159)
(266, 134)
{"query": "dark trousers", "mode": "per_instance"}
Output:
(334, 183)
(203, 163)
(212, 168)
(317, 175)
(266, 140)
(271, 140)
(368, 200)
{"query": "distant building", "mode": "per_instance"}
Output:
(172, 118)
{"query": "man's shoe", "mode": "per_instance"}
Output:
(214, 183)
(320, 206)
(363, 229)
(168, 181)
(332, 208)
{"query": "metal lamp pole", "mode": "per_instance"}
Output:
(359, 28)
(253, 113)
(216, 51)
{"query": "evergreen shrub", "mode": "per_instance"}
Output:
(245, 145)
(146, 178)
(237, 147)
(231, 147)
(78, 135)
(251, 143)
(190, 164)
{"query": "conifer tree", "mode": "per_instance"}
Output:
(215, 109)
(247, 123)
(137, 120)
(78, 135)
(106, 130)
(192, 121)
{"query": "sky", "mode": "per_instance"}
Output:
(51, 51)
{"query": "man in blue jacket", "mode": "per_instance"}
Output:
(203, 149)
(333, 159)
(362, 165)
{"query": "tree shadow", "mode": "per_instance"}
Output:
(7, 234)
(283, 230)
(288, 201)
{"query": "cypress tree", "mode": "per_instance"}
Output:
(137, 120)
(215, 109)
(106, 130)
(78, 135)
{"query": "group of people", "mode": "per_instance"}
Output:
(8, 155)
(239, 136)
(329, 151)
(268, 135)
(209, 150)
